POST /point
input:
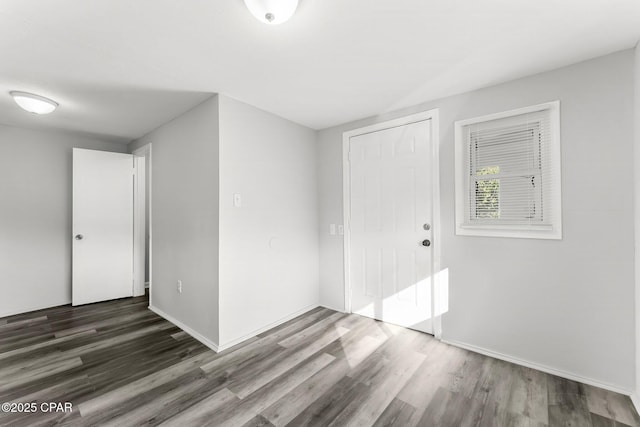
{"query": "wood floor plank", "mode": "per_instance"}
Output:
(298, 324)
(26, 339)
(20, 365)
(200, 413)
(562, 415)
(309, 317)
(323, 411)
(305, 335)
(397, 413)
(383, 388)
(390, 352)
(245, 385)
(448, 408)
(160, 403)
(432, 375)
(258, 349)
(120, 364)
(362, 328)
(36, 349)
(611, 405)
(559, 386)
(293, 403)
(102, 323)
(568, 409)
(144, 384)
(179, 335)
(258, 421)
(600, 421)
(18, 378)
(7, 326)
(528, 395)
(111, 375)
(244, 410)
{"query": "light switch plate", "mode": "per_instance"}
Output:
(341, 230)
(237, 200)
(332, 229)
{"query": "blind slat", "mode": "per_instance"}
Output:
(507, 168)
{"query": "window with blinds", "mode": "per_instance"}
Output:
(508, 174)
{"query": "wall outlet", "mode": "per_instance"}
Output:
(179, 286)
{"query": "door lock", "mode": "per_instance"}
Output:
(79, 237)
(426, 242)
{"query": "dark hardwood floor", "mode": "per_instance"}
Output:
(119, 364)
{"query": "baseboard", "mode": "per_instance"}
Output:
(216, 347)
(543, 368)
(339, 310)
(213, 346)
(237, 341)
(635, 398)
(33, 308)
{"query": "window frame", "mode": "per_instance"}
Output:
(551, 226)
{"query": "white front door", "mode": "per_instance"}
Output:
(102, 226)
(391, 267)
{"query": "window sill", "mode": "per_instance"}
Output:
(521, 227)
(522, 231)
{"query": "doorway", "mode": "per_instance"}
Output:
(392, 221)
(143, 252)
(111, 251)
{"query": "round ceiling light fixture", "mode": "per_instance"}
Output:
(272, 12)
(33, 103)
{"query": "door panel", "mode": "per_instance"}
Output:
(102, 226)
(391, 200)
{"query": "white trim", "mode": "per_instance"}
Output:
(339, 310)
(437, 225)
(504, 114)
(146, 150)
(530, 227)
(462, 227)
(635, 399)
(433, 116)
(539, 367)
(217, 347)
(237, 341)
(34, 308)
(138, 225)
(213, 346)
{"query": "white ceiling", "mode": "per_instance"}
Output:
(123, 67)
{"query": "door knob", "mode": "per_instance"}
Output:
(426, 242)
(79, 237)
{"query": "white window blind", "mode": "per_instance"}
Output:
(511, 174)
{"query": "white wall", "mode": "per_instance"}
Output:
(185, 218)
(35, 216)
(269, 245)
(566, 305)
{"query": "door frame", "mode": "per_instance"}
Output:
(433, 116)
(139, 197)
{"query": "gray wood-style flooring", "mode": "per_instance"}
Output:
(119, 364)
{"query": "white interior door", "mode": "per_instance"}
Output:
(391, 269)
(102, 226)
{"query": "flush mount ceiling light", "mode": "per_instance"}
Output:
(272, 12)
(34, 103)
